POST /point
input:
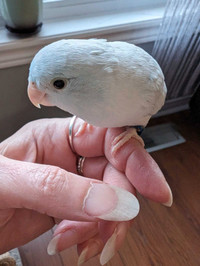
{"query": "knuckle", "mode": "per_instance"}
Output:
(53, 181)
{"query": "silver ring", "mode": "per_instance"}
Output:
(71, 125)
(80, 159)
(80, 162)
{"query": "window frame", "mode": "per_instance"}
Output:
(55, 10)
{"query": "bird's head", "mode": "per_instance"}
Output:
(59, 73)
(49, 74)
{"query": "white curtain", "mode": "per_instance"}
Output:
(177, 48)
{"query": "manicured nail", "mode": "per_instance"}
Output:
(66, 239)
(109, 249)
(110, 203)
(170, 201)
(52, 246)
(83, 256)
(88, 252)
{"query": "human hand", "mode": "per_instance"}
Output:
(44, 142)
(130, 165)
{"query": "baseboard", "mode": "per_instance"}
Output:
(174, 105)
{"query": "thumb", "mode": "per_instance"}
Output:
(58, 193)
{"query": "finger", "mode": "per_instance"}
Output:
(111, 234)
(90, 143)
(91, 243)
(69, 233)
(132, 159)
(140, 168)
(115, 241)
(108, 246)
(89, 248)
(42, 141)
(100, 168)
(51, 190)
(47, 141)
(117, 178)
(94, 167)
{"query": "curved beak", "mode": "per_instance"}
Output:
(35, 95)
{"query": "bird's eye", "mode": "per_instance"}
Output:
(59, 84)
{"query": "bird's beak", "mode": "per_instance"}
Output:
(35, 95)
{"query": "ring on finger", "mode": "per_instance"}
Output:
(80, 159)
(71, 125)
(80, 164)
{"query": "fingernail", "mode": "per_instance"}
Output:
(66, 239)
(109, 249)
(110, 203)
(88, 252)
(52, 246)
(170, 201)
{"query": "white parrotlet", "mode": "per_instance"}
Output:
(107, 84)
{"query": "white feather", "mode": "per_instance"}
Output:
(110, 84)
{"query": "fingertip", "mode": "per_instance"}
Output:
(170, 200)
(114, 243)
(52, 246)
(146, 176)
(110, 203)
(92, 248)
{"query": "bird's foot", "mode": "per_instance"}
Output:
(124, 137)
(82, 129)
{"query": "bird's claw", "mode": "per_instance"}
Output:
(124, 137)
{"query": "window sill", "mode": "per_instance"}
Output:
(136, 27)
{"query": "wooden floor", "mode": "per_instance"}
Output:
(159, 236)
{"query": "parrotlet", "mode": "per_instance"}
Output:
(107, 84)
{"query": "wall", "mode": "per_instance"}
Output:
(16, 109)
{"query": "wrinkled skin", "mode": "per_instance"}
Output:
(37, 161)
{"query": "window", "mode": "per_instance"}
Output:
(135, 21)
(61, 9)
